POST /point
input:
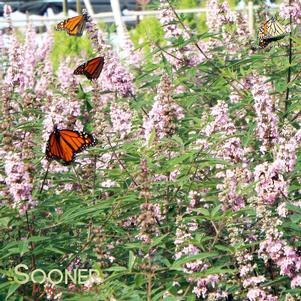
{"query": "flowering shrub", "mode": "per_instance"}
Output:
(193, 190)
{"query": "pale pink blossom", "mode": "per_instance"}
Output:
(164, 114)
(266, 118)
(121, 119)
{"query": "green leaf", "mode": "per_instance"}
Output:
(13, 287)
(203, 211)
(23, 247)
(157, 241)
(116, 269)
(215, 210)
(131, 262)
(178, 263)
(139, 280)
(4, 221)
(55, 250)
(151, 138)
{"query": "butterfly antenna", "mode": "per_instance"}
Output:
(45, 177)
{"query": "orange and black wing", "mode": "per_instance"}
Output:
(74, 26)
(65, 144)
(55, 150)
(91, 69)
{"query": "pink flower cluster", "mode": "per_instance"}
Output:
(134, 57)
(270, 183)
(178, 56)
(221, 122)
(44, 81)
(7, 10)
(66, 77)
(232, 26)
(15, 64)
(203, 284)
(231, 150)
(52, 292)
(74, 264)
(59, 114)
(285, 257)
(165, 112)
(286, 156)
(114, 77)
(184, 233)
(257, 294)
(266, 117)
(121, 119)
(22, 73)
(228, 195)
(26, 74)
(19, 182)
(219, 15)
(148, 221)
(291, 9)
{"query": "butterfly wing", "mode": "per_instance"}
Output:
(58, 150)
(271, 31)
(77, 141)
(91, 69)
(74, 26)
(276, 29)
(65, 144)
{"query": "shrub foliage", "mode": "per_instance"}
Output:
(193, 189)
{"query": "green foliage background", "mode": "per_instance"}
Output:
(140, 267)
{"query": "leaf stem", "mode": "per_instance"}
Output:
(33, 259)
(149, 286)
(44, 179)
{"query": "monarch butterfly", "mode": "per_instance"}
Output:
(65, 144)
(92, 68)
(75, 25)
(271, 31)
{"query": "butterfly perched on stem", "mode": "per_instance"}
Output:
(64, 144)
(74, 26)
(271, 30)
(91, 68)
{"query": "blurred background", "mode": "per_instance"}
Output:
(137, 19)
(43, 13)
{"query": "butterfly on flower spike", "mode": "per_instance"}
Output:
(91, 69)
(74, 26)
(64, 144)
(271, 30)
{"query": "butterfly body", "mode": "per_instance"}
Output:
(264, 42)
(91, 69)
(74, 26)
(64, 144)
